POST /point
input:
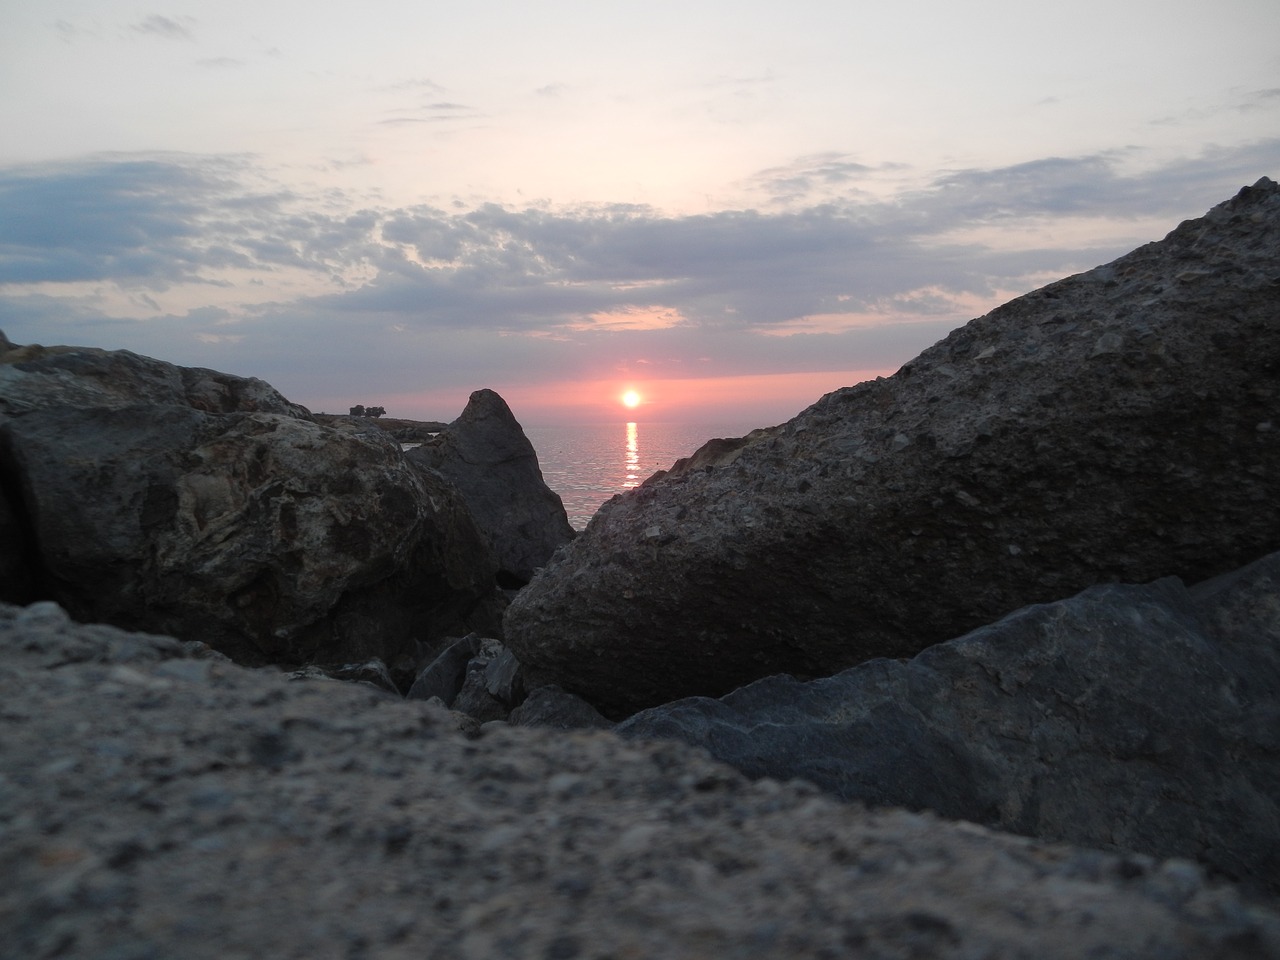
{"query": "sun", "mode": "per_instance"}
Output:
(631, 399)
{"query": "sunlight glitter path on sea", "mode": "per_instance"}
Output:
(586, 464)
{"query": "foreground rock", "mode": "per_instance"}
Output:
(1123, 424)
(1129, 718)
(158, 805)
(194, 503)
(495, 469)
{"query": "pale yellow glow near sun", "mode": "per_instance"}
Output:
(631, 399)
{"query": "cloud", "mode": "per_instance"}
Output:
(433, 113)
(203, 260)
(169, 28)
(153, 221)
(68, 32)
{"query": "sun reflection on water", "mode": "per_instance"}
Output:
(633, 457)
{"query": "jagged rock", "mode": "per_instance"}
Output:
(1132, 718)
(505, 678)
(158, 806)
(475, 700)
(1116, 425)
(443, 676)
(264, 534)
(492, 463)
(549, 706)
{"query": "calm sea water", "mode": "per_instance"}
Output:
(588, 464)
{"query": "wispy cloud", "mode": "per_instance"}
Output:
(403, 294)
(169, 28)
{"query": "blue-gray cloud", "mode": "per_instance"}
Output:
(154, 222)
(496, 294)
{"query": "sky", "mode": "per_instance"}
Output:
(730, 208)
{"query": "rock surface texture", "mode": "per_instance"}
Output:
(1119, 425)
(486, 455)
(159, 804)
(1139, 718)
(194, 503)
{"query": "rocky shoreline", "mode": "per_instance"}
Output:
(982, 659)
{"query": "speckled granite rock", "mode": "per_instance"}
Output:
(155, 805)
(1123, 424)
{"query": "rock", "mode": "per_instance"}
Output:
(403, 431)
(549, 706)
(216, 511)
(16, 561)
(495, 469)
(372, 672)
(158, 806)
(505, 679)
(1130, 718)
(1108, 427)
(475, 700)
(444, 675)
(35, 377)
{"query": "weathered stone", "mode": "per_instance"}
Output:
(157, 806)
(264, 534)
(444, 675)
(492, 463)
(1132, 718)
(474, 698)
(1106, 427)
(504, 678)
(549, 706)
(35, 377)
(372, 672)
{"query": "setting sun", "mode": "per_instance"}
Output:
(631, 399)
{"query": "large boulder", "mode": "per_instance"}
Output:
(34, 377)
(492, 463)
(156, 805)
(1123, 424)
(205, 506)
(1139, 718)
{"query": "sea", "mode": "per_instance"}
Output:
(587, 464)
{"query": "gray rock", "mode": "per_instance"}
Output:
(495, 469)
(549, 706)
(475, 700)
(444, 675)
(1106, 427)
(505, 678)
(1139, 718)
(149, 810)
(35, 377)
(372, 672)
(268, 536)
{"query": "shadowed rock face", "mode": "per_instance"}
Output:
(495, 470)
(1128, 717)
(191, 502)
(1122, 424)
